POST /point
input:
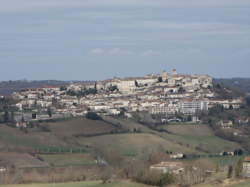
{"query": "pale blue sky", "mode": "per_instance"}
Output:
(99, 39)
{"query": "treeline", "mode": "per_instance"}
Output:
(7, 109)
(55, 150)
(82, 92)
(242, 84)
(8, 87)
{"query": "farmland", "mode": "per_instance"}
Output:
(81, 135)
(75, 149)
(199, 137)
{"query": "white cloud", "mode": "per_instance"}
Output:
(97, 51)
(151, 53)
(113, 51)
(118, 51)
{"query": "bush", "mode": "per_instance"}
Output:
(154, 178)
(45, 128)
(93, 116)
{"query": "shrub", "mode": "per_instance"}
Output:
(93, 116)
(154, 178)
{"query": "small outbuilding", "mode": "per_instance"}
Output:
(246, 167)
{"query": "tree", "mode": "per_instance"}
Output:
(6, 117)
(248, 100)
(113, 88)
(106, 175)
(181, 90)
(136, 83)
(63, 88)
(49, 111)
(238, 168)
(159, 79)
(34, 115)
(238, 152)
(93, 116)
(189, 118)
(12, 116)
(230, 171)
(218, 86)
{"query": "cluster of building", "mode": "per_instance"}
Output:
(165, 93)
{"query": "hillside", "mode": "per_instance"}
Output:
(242, 84)
(125, 137)
(199, 137)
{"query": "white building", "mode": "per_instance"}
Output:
(192, 106)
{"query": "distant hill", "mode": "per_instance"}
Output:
(240, 83)
(8, 87)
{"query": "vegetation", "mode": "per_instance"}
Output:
(83, 184)
(230, 171)
(93, 116)
(154, 178)
(239, 83)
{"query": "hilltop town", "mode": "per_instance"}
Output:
(165, 124)
(166, 94)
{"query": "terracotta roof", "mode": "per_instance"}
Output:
(247, 159)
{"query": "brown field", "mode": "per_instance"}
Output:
(21, 160)
(80, 126)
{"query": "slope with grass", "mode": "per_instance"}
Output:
(136, 144)
(67, 159)
(199, 137)
(80, 126)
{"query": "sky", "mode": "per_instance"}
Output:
(100, 39)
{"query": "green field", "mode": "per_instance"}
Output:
(82, 184)
(139, 144)
(91, 136)
(201, 136)
(227, 183)
(67, 159)
(242, 184)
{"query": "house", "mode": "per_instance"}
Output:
(226, 124)
(177, 156)
(246, 167)
(21, 124)
(168, 167)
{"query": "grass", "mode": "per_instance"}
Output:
(68, 159)
(22, 160)
(82, 184)
(225, 160)
(79, 126)
(199, 136)
(227, 183)
(241, 184)
(139, 144)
